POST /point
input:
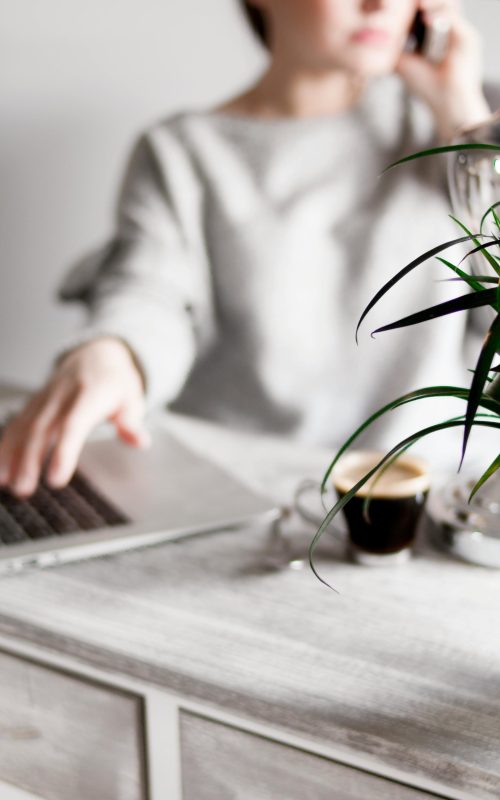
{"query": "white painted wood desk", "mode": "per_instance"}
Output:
(187, 671)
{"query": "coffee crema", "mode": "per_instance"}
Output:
(396, 505)
(406, 477)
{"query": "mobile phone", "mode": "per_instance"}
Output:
(431, 41)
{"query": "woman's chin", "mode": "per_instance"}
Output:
(372, 64)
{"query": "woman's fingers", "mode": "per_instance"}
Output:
(452, 87)
(86, 411)
(95, 382)
(446, 8)
(130, 427)
(31, 449)
(26, 440)
(449, 11)
(440, 5)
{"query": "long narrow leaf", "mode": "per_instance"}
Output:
(482, 278)
(428, 392)
(475, 238)
(339, 505)
(388, 464)
(493, 389)
(488, 379)
(406, 270)
(483, 366)
(485, 297)
(472, 280)
(450, 148)
(481, 248)
(496, 218)
(487, 213)
(494, 467)
(385, 468)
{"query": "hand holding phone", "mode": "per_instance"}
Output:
(430, 40)
(442, 65)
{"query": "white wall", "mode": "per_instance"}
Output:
(77, 81)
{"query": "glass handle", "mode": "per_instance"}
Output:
(308, 486)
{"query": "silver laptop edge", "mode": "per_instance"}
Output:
(168, 492)
(105, 541)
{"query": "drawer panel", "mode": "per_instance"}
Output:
(224, 763)
(64, 737)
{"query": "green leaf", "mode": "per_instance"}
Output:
(428, 392)
(391, 461)
(472, 280)
(488, 380)
(496, 218)
(491, 260)
(494, 467)
(493, 389)
(406, 270)
(481, 248)
(387, 465)
(339, 505)
(450, 148)
(483, 366)
(491, 210)
(482, 278)
(485, 297)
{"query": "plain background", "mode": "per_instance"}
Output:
(78, 80)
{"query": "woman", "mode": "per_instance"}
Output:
(249, 238)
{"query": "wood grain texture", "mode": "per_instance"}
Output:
(223, 763)
(403, 665)
(62, 737)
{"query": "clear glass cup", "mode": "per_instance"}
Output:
(474, 182)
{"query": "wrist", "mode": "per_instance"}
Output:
(462, 112)
(113, 349)
(120, 350)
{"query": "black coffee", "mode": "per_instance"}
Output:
(392, 522)
(397, 499)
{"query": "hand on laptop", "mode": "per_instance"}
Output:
(96, 382)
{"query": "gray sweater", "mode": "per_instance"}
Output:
(245, 250)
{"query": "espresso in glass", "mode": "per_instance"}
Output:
(386, 531)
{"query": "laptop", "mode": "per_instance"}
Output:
(122, 498)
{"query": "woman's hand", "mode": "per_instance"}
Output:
(98, 381)
(453, 87)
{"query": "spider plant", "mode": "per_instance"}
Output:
(482, 397)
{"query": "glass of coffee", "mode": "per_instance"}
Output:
(385, 533)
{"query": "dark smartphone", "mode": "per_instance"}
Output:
(430, 41)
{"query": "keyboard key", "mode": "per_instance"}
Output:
(48, 512)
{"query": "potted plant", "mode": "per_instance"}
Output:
(482, 397)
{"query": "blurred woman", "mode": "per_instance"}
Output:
(250, 236)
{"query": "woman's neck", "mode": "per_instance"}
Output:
(284, 91)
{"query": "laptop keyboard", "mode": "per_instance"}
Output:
(51, 512)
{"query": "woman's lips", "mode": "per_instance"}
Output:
(376, 36)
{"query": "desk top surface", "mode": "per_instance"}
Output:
(403, 665)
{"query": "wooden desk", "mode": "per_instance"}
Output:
(187, 664)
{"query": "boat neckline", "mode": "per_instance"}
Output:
(248, 120)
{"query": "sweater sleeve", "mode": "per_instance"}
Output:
(149, 285)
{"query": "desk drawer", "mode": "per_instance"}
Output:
(224, 763)
(63, 737)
